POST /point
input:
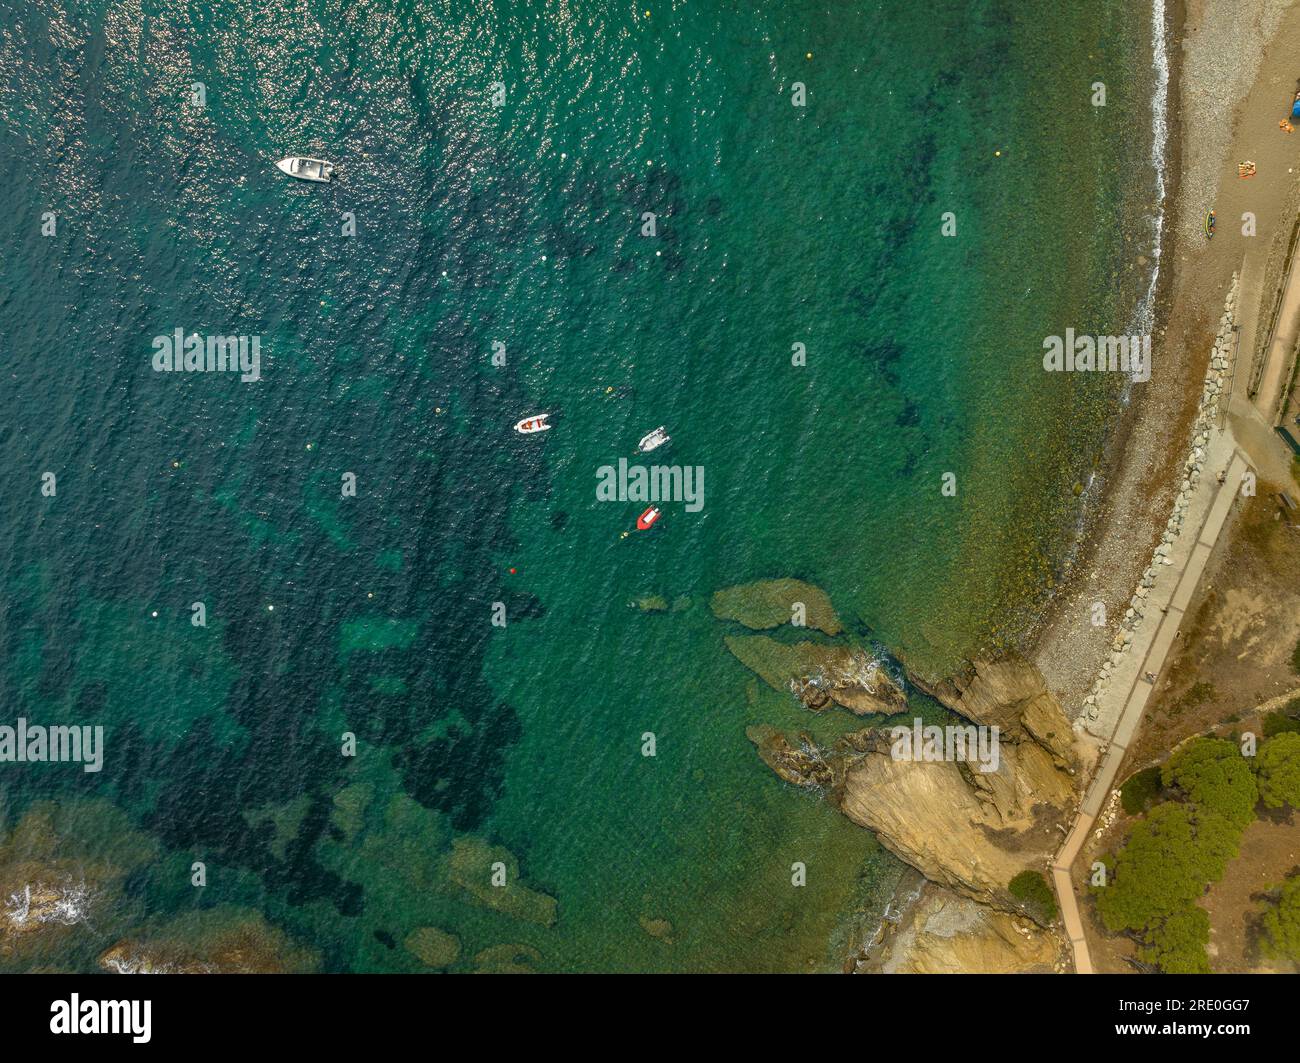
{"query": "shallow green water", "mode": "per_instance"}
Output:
(520, 224)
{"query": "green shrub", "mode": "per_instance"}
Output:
(1031, 888)
(1281, 923)
(1170, 857)
(1177, 944)
(1140, 791)
(1279, 770)
(1213, 773)
(1295, 659)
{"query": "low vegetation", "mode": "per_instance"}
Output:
(1212, 773)
(1281, 923)
(1032, 890)
(1178, 944)
(1281, 720)
(1279, 771)
(1140, 791)
(1198, 694)
(1180, 846)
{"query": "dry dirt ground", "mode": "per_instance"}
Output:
(1270, 852)
(1233, 655)
(1234, 652)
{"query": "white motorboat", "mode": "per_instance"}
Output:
(306, 169)
(654, 439)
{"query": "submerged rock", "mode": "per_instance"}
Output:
(223, 940)
(433, 947)
(819, 673)
(657, 928)
(472, 866)
(773, 602)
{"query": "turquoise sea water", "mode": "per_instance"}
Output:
(521, 224)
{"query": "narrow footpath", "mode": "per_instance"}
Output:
(1151, 648)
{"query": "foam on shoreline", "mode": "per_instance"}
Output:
(1145, 315)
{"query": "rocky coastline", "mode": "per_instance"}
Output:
(968, 830)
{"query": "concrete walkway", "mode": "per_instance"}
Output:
(1281, 348)
(1151, 645)
(1251, 430)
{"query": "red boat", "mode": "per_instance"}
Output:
(647, 518)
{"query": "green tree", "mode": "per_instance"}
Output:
(1279, 770)
(1170, 857)
(1177, 944)
(1282, 923)
(1213, 773)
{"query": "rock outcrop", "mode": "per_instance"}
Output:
(968, 829)
(62, 871)
(821, 674)
(1009, 693)
(949, 934)
(40, 906)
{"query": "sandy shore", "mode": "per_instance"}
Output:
(1234, 66)
(1233, 71)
